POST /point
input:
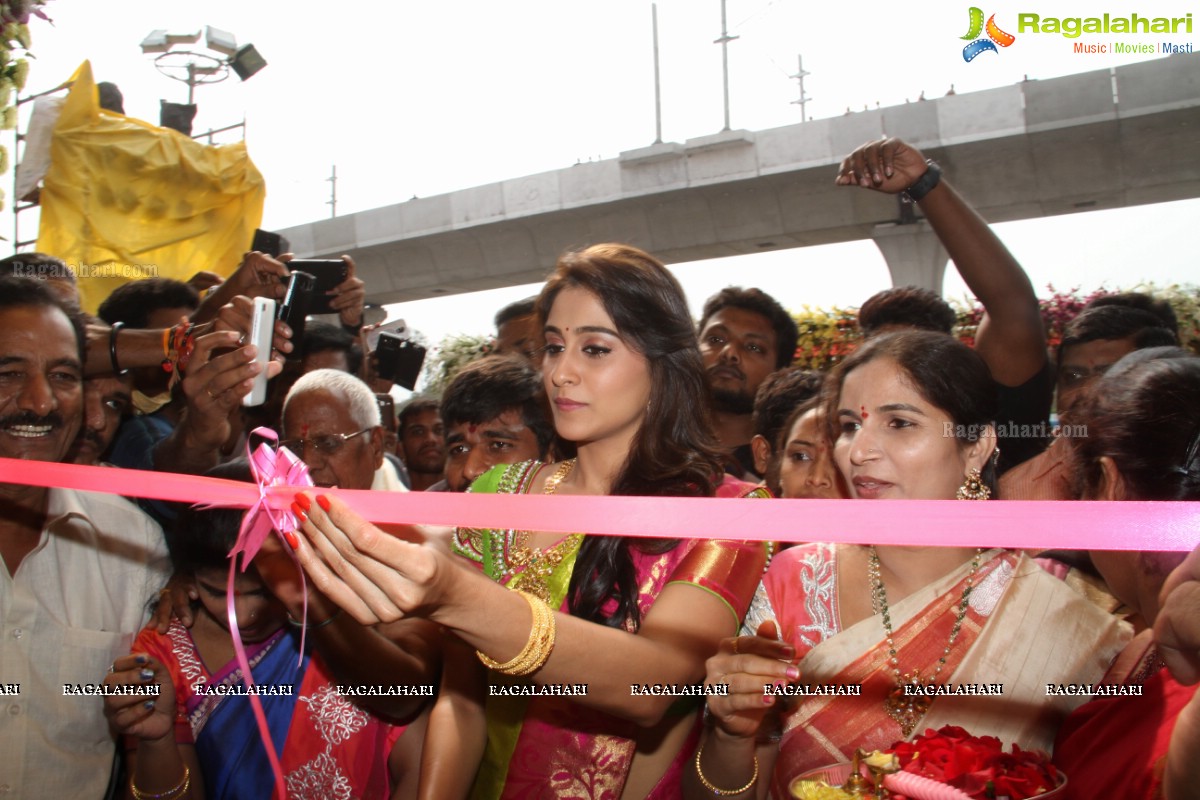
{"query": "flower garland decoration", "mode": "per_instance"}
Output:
(828, 336)
(14, 68)
(454, 353)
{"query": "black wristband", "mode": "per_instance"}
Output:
(112, 348)
(924, 184)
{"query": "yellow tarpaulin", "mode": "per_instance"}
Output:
(125, 199)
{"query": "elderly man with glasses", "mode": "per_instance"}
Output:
(331, 420)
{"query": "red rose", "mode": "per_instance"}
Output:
(977, 765)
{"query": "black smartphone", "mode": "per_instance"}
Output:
(269, 242)
(400, 360)
(297, 300)
(387, 410)
(329, 273)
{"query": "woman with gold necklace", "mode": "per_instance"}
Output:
(912, 419)
(627, 387)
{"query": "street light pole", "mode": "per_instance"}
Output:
(724, 42)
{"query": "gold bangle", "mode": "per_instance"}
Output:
(174, 793)
(537, 648)
(724, 792)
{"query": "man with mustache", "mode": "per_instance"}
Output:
(106, 397)
(745, 335)
(78, 568)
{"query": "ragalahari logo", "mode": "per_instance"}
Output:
(995, 36)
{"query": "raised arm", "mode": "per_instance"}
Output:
(127, 348)
(1011, 337)
(258, 275)
(213, 389)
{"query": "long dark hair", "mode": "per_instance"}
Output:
(674, 452)
(943, 370)
(1144, 414)
(201, 538)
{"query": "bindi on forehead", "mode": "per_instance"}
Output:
(862, 410)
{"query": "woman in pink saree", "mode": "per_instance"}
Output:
(888, 629)
(543, 610)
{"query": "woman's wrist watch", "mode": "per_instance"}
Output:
(924, 184)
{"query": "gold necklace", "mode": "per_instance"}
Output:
(908, 710)
(537, 566)
(564, 469)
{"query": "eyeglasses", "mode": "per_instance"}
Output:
(328, 444)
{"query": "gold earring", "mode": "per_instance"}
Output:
(973, 487)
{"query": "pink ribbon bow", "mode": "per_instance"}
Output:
(272, 468)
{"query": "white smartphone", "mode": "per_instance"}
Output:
(262, 333)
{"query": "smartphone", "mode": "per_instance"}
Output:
(328, 273)
(400, 360)
(262, 332)
(395, 326)
(269, 242)
(293, 309)
(387, 410)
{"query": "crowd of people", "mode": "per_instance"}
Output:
(402, 661)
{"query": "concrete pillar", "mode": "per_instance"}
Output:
(914, 255)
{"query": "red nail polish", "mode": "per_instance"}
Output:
(292, 540)
(299, 513)
(323, 502)
(304, 502)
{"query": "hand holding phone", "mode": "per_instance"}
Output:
(400, 360)
(297, 300)
(262, 331)
(329, 274)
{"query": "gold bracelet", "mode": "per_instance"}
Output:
(174, 793)
(538, 647)
(724, 792)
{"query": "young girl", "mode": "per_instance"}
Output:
(198, 737)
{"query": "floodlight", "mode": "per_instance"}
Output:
(247, 62)
(221, 41)
(183, 38)
(156, 42)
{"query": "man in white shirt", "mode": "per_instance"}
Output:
(79, 569)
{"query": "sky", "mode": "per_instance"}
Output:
(417, 99)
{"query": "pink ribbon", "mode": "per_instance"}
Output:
(1041, 524)
(271, 468)
(278, 475)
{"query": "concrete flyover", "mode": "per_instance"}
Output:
(1095, 140)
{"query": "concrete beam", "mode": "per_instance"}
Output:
(1103, 139)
